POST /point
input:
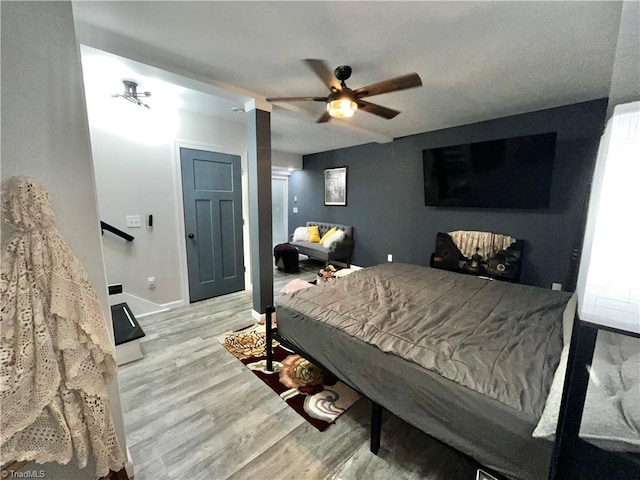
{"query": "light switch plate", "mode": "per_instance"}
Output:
(295, 209)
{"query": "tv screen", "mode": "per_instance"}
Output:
(507, 173)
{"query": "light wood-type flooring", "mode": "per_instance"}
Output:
(192, 411)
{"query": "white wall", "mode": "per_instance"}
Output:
(286, 160)
(45, 136)
(625, 81)
(135, 177)
(137, 169)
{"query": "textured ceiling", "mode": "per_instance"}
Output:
(477, 60)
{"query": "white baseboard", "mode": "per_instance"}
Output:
(172, 305)
(164, 307)
(129, 465)
(261, 317)
(141, 307)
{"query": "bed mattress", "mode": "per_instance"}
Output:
(467, 360)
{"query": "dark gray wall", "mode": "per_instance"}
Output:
(385, 193)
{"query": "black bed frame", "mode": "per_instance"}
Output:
(273, 334)
(574, 458)
(376, 409)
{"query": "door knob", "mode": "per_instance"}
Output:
(191, 235)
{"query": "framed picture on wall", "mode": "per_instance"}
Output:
(335, 186)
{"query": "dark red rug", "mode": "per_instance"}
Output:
(314, 394)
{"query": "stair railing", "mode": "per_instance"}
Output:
(116, 231)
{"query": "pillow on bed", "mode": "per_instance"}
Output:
(314, 234)
(328, 234)
(301, 234)
(611, 417)
(335, 237)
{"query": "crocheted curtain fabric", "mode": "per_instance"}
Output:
(488, 243)
(56, 356)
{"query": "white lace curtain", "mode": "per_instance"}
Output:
(56, 356)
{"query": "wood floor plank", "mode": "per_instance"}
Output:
(192, 411)
(235, 443)
(148, 468)
(311, 453)
(407, 453)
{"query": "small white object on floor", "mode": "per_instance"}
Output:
(344, 272)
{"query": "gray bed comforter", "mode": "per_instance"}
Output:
(500, 339)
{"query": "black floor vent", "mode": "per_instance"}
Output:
(125, 326)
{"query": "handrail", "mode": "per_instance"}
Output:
(116, 231)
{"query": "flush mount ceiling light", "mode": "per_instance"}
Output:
(131, 93)
(344, 102)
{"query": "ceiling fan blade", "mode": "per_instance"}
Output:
(297, 99)
(322, 70)
(392, 85)
(325, 117)
(379, 110)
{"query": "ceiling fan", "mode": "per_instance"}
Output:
(344, 102)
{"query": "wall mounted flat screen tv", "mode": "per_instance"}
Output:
(508, 173)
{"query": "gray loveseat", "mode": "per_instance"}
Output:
(341, 251)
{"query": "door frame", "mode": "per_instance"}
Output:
(181, 232)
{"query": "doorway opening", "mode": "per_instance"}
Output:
(280, 214)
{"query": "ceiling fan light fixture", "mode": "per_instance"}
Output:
(344, 102)
(131, 93)
(343, 107)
